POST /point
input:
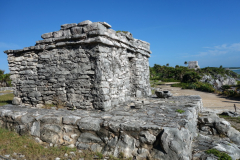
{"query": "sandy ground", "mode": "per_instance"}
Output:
(210, 100)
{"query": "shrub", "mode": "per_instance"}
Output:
(220, 155)
(121, 31)
(191, 77)
(224, 87)
(206, 87)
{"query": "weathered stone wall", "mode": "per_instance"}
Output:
(86, 66)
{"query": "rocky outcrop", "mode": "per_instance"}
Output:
(85, 65)
(218, 81)
(215, 133)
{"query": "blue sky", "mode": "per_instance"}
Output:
(207, 31)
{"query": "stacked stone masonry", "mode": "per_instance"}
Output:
(155, 131)
(85, 65)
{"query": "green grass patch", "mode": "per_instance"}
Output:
(6, 99)
(220, 155)
(12, 142)
(180, 111)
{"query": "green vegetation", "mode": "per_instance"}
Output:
(6, 99)
(121, 31)
(205, 87)
(5, 80)
(158, 72)
(189, 78)
(180, 111)
(13, 144)
(220, 155)
(227, 91)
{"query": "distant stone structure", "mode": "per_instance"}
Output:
(85, 65)
(193, 65)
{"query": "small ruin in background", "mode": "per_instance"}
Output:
(193, 65)
(85, 65)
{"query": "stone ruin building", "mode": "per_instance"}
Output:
(90, 66)
(193, 65)
(85, 65)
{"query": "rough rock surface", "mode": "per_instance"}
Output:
(218, 81)
(163, 94)
(154, 131)
(85, 65)
(231, 114)
(215, 133)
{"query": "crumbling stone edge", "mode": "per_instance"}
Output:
(155, 131)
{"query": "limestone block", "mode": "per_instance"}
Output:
(51, 120)
(70, 119)
(50, 134)
(126, 144)
(96, 148)
(77, 30)
(146, 137)
(82, 146)
(17, 101)
(67, 33)
(58, 34)
(47, 35)
(138, 93)
(89, 123)
(106, 25)
(35, 129)
(163, 94)
(66, 26)
(95, 26)
(84, 23)
(89, 138)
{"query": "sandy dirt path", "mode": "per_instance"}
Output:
(210, 100)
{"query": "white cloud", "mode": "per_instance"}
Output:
(8, 45)
(218, 50)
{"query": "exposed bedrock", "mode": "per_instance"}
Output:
(157, 130)
(219, 80)
(215, 133)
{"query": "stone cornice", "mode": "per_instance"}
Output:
(96, 32)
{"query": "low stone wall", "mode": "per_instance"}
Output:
(6, 88)
(158, 129)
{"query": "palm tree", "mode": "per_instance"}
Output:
(5, 80)
(185, 63)
(167, 64)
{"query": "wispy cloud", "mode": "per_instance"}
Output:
(218, 50)
(8, 45)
